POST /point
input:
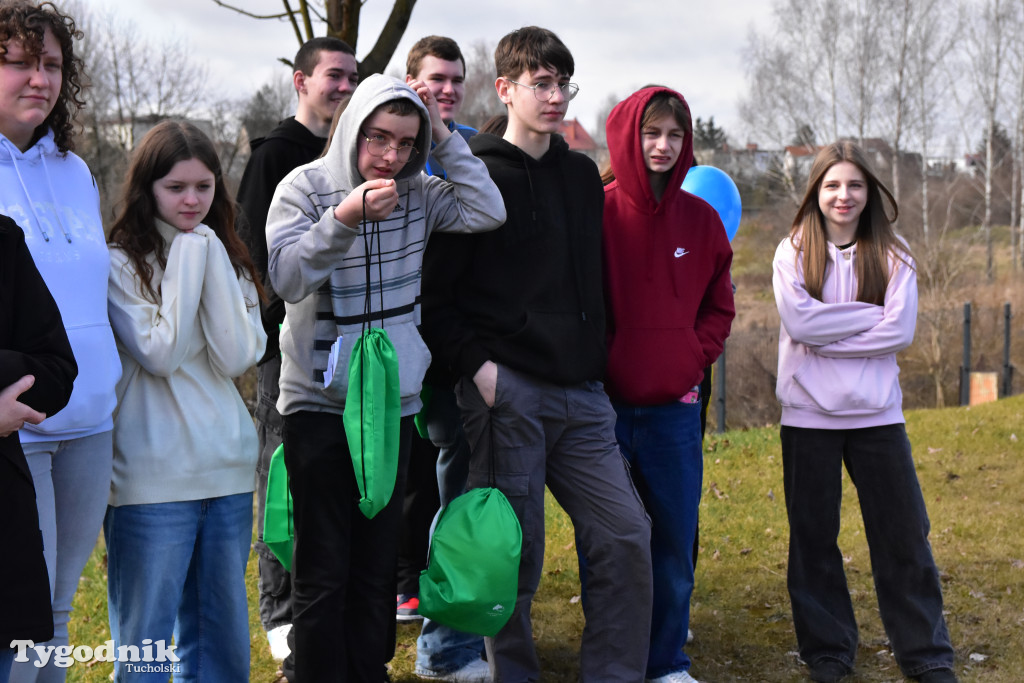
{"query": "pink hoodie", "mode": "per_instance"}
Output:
(837, 357)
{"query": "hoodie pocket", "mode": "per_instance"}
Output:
(845, 386)
(412, 354)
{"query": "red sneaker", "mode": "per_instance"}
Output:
(408, 608)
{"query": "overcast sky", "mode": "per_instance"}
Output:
(694, 46)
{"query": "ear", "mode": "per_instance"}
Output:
(409, 78)
(502, 85)
(299, 81)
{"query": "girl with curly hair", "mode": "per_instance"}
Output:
(50, 193)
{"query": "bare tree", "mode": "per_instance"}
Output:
(986, 47)
(1017, 188)
(480, 101)
(862, 62)
(135, 82)
(933, 36)
(341, 19)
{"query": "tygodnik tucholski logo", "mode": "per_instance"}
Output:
(152, 657)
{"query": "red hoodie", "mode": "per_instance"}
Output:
(666, 263)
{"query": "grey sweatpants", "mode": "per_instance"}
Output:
(540, 433)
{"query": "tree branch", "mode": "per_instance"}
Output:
(387, 42)
(291, 18)
(225, 5)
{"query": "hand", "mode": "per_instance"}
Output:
(438, 130)
(486, 381)
(13, 413)
(381, 200)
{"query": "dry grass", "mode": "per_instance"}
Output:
(971, 466)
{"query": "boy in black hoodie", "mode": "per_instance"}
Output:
(518, 316)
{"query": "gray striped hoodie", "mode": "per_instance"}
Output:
(318, 264)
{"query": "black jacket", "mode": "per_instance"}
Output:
(528, 295)
(285, 148)
(32, 342)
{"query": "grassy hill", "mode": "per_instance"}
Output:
(971, 465)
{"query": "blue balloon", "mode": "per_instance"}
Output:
(716, 188)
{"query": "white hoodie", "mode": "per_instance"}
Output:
(55, 201)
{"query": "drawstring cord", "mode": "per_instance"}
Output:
(31, 205)
(374, 231)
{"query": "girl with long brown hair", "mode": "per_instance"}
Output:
(184, 306)
(846, 290)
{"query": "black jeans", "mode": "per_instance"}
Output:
(343, 571)
(896, 524)
(275, 582)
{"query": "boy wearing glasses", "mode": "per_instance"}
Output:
(366, 194)
(519, 315)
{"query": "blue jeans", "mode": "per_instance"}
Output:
(72, 481)
(179, 569)
(896, 525)
(439, 648)
(6, 660)
(662, 445)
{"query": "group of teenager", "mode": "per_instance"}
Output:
(552, 326)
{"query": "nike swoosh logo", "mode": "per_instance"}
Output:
(680, 252)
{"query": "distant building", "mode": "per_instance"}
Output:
(578, 138)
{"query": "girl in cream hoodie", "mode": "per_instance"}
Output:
(184, 303)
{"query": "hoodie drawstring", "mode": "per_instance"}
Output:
(15, 154)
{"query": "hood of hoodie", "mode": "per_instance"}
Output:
(496, 151)
(342, 158)
(627, 154)
(487, 145)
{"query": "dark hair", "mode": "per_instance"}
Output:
(135, 231)
(308, 55)
(27, 23)
(400, 106)
(433, 46)
(496, 125)
(531, 48)
(876, 240)
(659, 106)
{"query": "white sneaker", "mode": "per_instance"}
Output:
(278, 639)
(476, 671)
(674, 677)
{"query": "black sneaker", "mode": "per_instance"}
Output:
(829, 671)
(937, 676)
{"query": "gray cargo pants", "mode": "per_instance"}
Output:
(540, 433)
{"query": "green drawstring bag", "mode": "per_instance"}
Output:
(472, 575)
(373, 411)
(373, 403)
(278, 527)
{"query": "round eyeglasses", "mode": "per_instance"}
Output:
(378, 146)
(544, 90)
